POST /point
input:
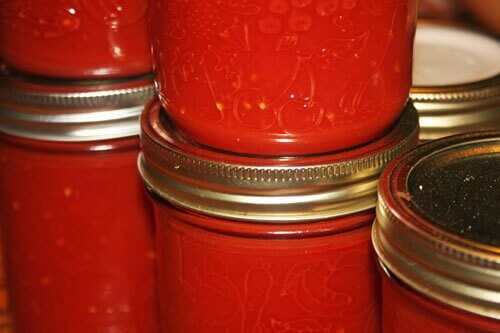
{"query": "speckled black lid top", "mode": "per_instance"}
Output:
(459, 191)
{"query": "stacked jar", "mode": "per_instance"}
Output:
(262, 157)
(75, 222)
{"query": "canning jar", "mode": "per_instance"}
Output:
(438, 239)
(284, 77)
(252, 244)
(76, 226)
(456, 80)
(75, 38)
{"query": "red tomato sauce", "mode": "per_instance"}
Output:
(217, 275)
(75, 38)
(79, 252)
(405, 310)
(5, 320)
(283, 77)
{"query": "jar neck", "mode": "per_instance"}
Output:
(122, 144)
(262, 230)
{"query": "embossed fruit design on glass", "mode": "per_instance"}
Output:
(263, 281)
(75, 38)
(249, 244)
(283, 77)
(75, 221)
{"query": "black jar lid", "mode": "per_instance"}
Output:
(438, 221)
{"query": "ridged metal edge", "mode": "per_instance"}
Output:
(281, 174)
(42, 111)
(296, 174)
(450, 289)
(384, 213)
(92, 99)
(446, 111)
(461, 93)
(263, 193)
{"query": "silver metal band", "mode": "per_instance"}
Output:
(268, 189)
(91, 114)
(445, 111)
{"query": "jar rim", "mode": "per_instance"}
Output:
(72, 110)
(421, 247)
(266, 189)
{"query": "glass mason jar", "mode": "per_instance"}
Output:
(438, 239)
(456, 80)
(283, 77)
(249, 244)
(75, 222)
(75, 38)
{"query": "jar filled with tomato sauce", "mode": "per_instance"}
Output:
(284, 77)
(265, 244)
(437, 237)
(76, 226)
(75, 38)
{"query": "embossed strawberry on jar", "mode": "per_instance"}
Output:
(75, 38)
(283, 77)
(251, 244)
